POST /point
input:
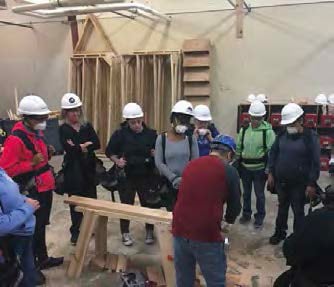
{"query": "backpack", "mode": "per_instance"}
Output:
(10, 273)
(264, 159)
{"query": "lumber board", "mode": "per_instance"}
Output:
(135, 212)
(122, 263)
(120, 215)
(196, 60)
(239, 9)
(101, 238)
(87, 30)
(86, 230)
(154, 274)
(166, 250)
(112, 261)
(197, 89)
(196, 45)
(198, 75)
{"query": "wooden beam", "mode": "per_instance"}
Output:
(239, 9)
(74, 30)
(101, 31)
(133, 212)
(196, 45)
(198, 75)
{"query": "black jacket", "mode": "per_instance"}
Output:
(135, 148)
(296, 158)
(311, 249)
(79, 167)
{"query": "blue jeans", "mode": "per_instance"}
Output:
(22, 246)
(258, 178)
(210, 257)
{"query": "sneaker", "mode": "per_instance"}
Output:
(50, 262)
(244, 219)
(277, 238)
(149, 237)
(40, 278)
(258, 223)
(126, 239)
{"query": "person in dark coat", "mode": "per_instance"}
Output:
(79, 141)
(309, 251)
(294, 168)
(131, 148)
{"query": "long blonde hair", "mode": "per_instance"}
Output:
(63, 116)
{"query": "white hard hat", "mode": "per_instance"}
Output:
(331, 99)
(290, 113)
(257, 109)
(33, 106)
(321, 99)
(251, 98)
(132, 111)
(183, 107)
(70, 101)
(202, 113)
(262, 98)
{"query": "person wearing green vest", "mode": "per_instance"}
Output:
(253, 145)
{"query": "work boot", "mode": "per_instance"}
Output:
(50, 262)
(277, 238)
(74, 239)
(149, 237)
(244, 219)
(127, 239)
(40, 278)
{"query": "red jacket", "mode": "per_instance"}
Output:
(198, 211)
(17, 159)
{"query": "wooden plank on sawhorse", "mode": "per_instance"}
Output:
(86, 231)
(165, 239)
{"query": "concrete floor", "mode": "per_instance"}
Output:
(251, 260)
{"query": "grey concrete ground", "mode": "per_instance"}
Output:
(251, 260)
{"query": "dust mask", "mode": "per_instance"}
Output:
(202, 132)
(292, 130)
(181, 129)
(40, 126)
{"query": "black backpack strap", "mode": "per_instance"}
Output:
(24, 138)
(190, 141)
(163, 143)
(244, 129)
(264, 136)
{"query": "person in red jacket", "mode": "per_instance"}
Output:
(25, 158)
(207, 184)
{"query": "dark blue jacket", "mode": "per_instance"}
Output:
(295, 159)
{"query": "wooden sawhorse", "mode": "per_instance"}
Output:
(95, 218)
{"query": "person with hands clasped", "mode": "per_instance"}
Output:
(79, 141)
(205, 131)
(131, 148)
